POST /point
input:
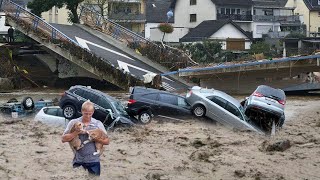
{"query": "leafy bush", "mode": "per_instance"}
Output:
(295, 35)
(165, 27)
(259, 47)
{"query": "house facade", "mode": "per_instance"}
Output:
(56, 15)
(310, 10)
(255, 16)
(230, 35)
(271, 17)
(129, 13)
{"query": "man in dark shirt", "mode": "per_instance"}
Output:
(10, 34)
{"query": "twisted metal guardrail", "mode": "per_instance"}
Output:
(101, 67)
(171, 58)
(16, 11)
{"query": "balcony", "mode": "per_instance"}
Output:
(127, 17)
(235, 17)
(284, 19)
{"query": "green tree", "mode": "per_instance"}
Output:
(295, 35)
(260, 47)
(39, 6)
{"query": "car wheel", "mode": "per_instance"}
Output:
(145, 117)
(199, 110)
(28, 103)
(69, 111)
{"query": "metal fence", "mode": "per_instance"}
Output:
(43, 30)
(16, 11)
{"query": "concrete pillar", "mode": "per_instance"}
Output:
(299, 44)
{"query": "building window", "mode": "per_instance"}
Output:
(50, 11)
(238, 11)
(193, 17)
(233, 11)
(56, 10)
(227, 10)
(319, 29)
(268, 12)
(318, 2)
(223, 10)
(319, 13)
(193, 2)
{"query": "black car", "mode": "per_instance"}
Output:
(147, 102)
(107, 109)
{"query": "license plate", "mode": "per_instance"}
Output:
(271, 100)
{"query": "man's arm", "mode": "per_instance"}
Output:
(67, 136)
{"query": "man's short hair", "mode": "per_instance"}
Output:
(87, 105)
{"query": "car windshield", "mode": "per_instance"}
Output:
(119, 107)
(242, 112)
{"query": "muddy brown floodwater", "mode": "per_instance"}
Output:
(193, 149)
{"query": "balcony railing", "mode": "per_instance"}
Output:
(235, 17)
(293, 18)
(127, 17)
(282, 34)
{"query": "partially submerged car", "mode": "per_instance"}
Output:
(147, 102)
(220, 107)
(51, 115)
(265, 107)
(108, 110)
(24, 107)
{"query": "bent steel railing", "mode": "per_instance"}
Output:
(169, 57)
(103, 68)
(15, 11)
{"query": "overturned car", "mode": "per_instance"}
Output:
(24, 107)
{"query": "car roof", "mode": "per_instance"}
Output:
(142, 89)
(95, 91)
(145, 90)
(213, 92)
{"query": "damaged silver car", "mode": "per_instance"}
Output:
(265, 107)
(220, 107)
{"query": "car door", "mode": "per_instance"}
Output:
(80, 94)
(168, 105)
(52, 117)
(150, 101)
(184, 107)
(217, 110)
(234, 116)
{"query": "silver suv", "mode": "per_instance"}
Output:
(265, 106)
(220, 107)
